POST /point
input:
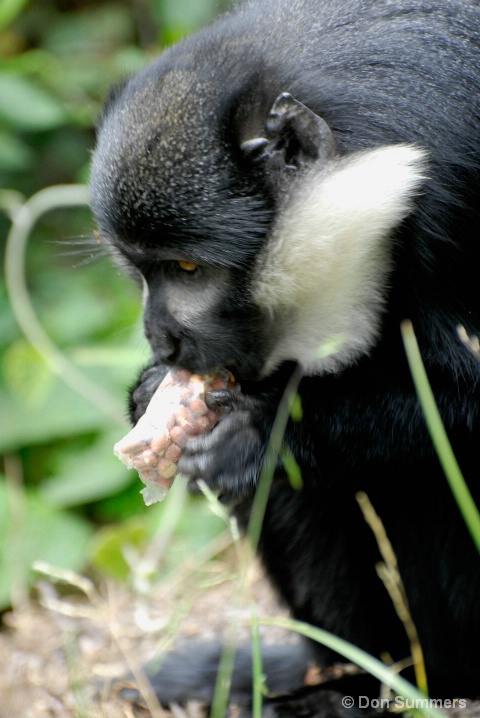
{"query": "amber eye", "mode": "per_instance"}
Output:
(187, 266)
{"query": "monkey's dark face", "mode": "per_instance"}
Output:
(171, 201)
(200, 317)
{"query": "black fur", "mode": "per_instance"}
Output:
(171, 181)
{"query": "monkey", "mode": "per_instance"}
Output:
(288, 185)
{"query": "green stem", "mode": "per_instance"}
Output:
(23, 221)
(439, 436)
(273, 451)
(364, 660)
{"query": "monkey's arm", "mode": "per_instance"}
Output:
(331, 437)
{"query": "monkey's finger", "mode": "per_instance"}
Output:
(230, 399)
(226, 429)
(227, 459)
(219, 399)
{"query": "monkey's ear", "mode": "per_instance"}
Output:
(294, 137)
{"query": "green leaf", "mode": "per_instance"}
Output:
(188, 529)
(293, 470)
(181, 17)
(296, 409)
(26, 373)
(26, 106)
(93, 30)
(31, 530)
(107, 548)
(15, 155)
(61, 413)
(9, 9)
(87, 475)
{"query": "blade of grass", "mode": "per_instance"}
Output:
(257, 667)
(389, 573)
(270, 463)
(224, 680)
(372, 665)
(225, 672)
(439, 436)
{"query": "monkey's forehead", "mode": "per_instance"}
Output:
(163, 177)
(157, 125)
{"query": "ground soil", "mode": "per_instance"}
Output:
(61, 648)
(72, 636)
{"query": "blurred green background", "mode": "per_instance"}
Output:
(70, 328)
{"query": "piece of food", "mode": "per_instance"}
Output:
(176, 413)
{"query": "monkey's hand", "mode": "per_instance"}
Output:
(229, 459)
(145, 387)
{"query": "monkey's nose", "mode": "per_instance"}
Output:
(166, 349)
(165, 346)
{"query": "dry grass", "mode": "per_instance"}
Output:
(58, 646)
(61, 650)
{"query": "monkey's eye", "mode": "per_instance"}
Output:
(187, 266)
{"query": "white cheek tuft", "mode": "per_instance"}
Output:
(193, 306)
(325, 268)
